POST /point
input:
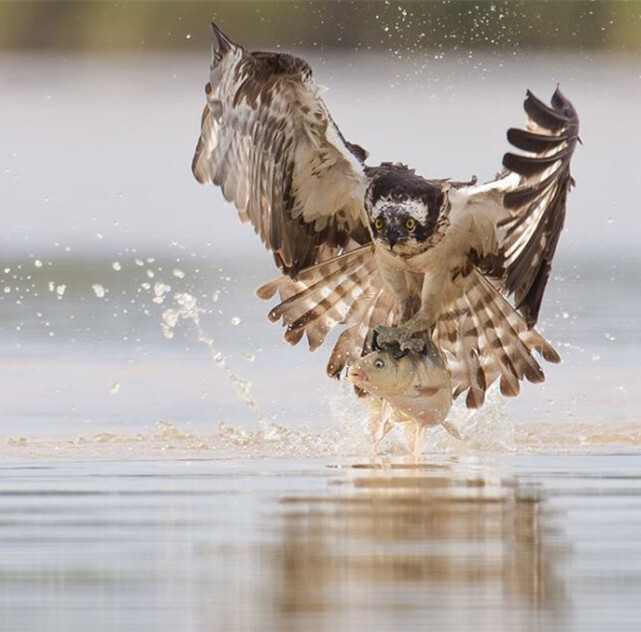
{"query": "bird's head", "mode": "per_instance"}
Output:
(402, 226)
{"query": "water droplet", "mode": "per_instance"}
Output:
(235, 320)
(179, 274)
(60, 289)
(116, 266)
(160, 289)
(114, 387)
(169, 321)
(98, 290)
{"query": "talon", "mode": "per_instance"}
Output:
(418, 345)
(383, 336)
(388, 339)
(375, 345)
(397, 342)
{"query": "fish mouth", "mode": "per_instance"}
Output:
(356, 376)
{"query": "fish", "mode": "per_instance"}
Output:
(412, 387)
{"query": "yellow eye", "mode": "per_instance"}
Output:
(410, 224)
(378, 223)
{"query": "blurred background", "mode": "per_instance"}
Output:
(351, 25)
(126, 289)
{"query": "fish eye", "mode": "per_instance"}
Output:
(410, 224)
(379, 223)
(379, 363)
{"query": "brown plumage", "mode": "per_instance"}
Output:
(362, 246)
(271, 145)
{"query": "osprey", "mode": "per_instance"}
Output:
(393, 257)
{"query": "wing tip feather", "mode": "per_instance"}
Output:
(267, 290)
(218, 37)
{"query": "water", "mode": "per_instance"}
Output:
(475, 543)
(167, 462)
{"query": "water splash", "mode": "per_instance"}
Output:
(187, 308)
(490, 429)
(169, 441)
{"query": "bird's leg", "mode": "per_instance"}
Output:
(418, 316)
(410, 306)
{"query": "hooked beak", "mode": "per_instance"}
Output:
(391, 240)
(392, 237)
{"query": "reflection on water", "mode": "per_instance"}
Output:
(503, 544)
(461, 549)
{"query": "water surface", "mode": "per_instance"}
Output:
(475, 543)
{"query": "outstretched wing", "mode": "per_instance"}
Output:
(518, 217)
(269, 142)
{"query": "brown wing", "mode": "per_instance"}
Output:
(269, 142)
(484, 339)
(518, 217)
(537, 205)
(346, 290)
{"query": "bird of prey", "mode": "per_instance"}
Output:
(392, 257)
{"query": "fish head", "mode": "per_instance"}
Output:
(379, 373)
